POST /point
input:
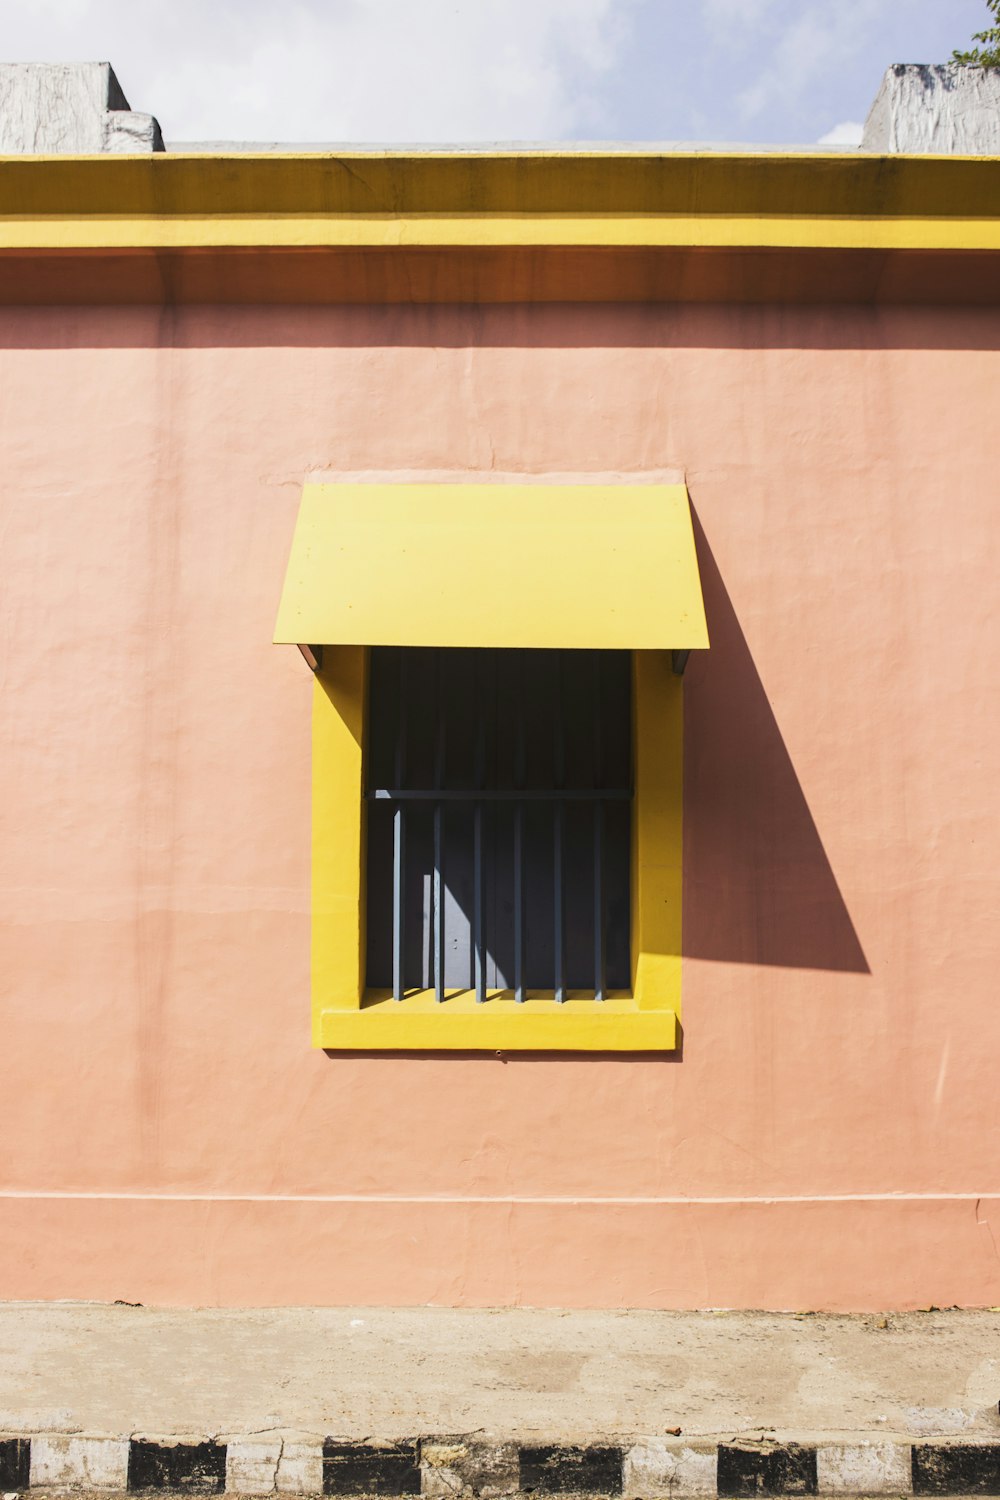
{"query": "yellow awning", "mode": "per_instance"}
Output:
(584, 565)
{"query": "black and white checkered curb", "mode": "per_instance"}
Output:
(445, 1468)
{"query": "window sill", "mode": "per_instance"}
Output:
(419, 1023)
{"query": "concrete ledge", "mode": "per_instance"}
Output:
(472, 1466)
(77, 108)
(60, 1462)
(948, 109)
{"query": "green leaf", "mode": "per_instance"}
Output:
(987, 56)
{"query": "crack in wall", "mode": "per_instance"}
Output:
(985, 1224)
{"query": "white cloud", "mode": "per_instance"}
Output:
(847, 133)
(339, 70)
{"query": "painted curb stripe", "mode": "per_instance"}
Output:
(956, 1469)
(195, 1468)
(370, 1469)
(395, 1469)
(15, 1463)
(556, 1470)
(787, 1470)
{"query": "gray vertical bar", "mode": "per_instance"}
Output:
(520, 713)
(478, 871)
(599, 964)
(479, 902)
(398, 895)
(399, 846)
(519, 903)
(599, 943)
(438, 902)
(439, 762)
(558, 902)
(558, 834)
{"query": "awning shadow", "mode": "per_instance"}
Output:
(758, 886)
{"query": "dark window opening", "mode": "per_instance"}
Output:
(499, 820)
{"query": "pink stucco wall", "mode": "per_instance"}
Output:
(828, 1136)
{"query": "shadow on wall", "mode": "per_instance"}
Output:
(758, 887)
(514, 325)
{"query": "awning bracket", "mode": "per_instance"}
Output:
(313, 656)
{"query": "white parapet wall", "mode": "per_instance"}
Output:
(77, 108)
(947, 108)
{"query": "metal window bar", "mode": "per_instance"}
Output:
(478, 816)
(399, 847)
(598, 834)
(558, 836)
(520, 757)
(439, 769)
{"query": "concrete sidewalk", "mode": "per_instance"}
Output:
(261, 1388)
(70, 1367)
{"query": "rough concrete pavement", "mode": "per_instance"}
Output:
(567, 1376)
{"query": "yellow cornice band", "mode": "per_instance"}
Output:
(387, 231)
(500, 199)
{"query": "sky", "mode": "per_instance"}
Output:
(402, 71)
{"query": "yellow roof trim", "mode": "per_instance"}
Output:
(499, 199)
(584, 565)
(501, 231)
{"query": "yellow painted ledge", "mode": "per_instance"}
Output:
(499, 200)
(458, 1024)
(500, 231)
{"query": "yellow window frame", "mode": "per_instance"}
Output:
(348, 1016)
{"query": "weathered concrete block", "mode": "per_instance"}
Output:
(252, 1466)
(453, 1466)
(126, 130)
(655, 1468)
(949, 108)
(93, 1463)
(863, 1469)
(267, 1463)
(69, 107)
(441, 1466)
(300, 1469)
